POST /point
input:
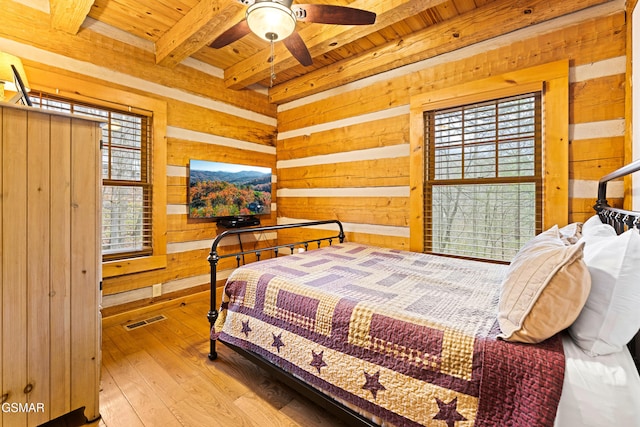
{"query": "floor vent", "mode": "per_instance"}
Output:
(141, 323)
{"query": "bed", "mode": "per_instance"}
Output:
(395, 338)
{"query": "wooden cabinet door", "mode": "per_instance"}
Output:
(49, 269)
(86, 203)
(14, 263)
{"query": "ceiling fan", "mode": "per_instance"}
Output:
(275, 20)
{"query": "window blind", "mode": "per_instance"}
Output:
(483, 190)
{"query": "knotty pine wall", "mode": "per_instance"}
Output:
(203, 121)
(344, 153)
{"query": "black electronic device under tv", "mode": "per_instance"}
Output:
(228, 191)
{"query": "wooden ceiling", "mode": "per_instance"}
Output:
(405, 31)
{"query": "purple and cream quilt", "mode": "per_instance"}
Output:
(408, 338)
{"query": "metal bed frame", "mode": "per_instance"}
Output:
(621, 220)
(341, 411)
(215, 256)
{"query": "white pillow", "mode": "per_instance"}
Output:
(611, 315)
(593, 226)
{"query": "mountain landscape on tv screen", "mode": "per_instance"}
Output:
(215, 194)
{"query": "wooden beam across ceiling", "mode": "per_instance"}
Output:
(198, 28)
(68, 15)
(465, 30)
(322, 38)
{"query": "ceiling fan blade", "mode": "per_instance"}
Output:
(333, 14)
(234, 33)
(298, 49)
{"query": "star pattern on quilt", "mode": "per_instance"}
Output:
(373, 384)
(317, 361)
(245, 328)
(277, 341)
(448, 412)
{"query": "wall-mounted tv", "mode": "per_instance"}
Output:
(225, 190)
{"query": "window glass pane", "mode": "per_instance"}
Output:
(449, 163)
(90, 111)
(483, 220)
(447, 128)
(126, 130)
(124, 148)
(125, 164)
(516, 158)
(123, 220)
(50, 104)
(480, 161)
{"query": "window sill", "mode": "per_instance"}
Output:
(133, 265)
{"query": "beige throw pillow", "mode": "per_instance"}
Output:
(545, 288)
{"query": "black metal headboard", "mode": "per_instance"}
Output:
(215, 256)
(621, 220)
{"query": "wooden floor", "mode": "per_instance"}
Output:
(159, 375)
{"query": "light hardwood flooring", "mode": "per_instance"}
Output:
(160, 375)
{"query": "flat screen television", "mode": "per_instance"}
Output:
(224, 190)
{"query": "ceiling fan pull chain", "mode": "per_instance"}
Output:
(272, 68)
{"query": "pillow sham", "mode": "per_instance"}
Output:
(611, 315)
(544, 290)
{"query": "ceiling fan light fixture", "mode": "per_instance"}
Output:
(271, 20)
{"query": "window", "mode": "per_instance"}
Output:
(476, 171)
(126, 201)
(483, 177)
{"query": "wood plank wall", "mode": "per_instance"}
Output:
(345, 153)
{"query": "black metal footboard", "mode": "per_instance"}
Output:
(215, 256)
(621, 220)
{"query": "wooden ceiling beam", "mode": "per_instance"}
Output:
(323, 38)
(68, 15)
(198, 28)
(465, 30)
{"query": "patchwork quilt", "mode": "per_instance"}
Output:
(408, 338)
